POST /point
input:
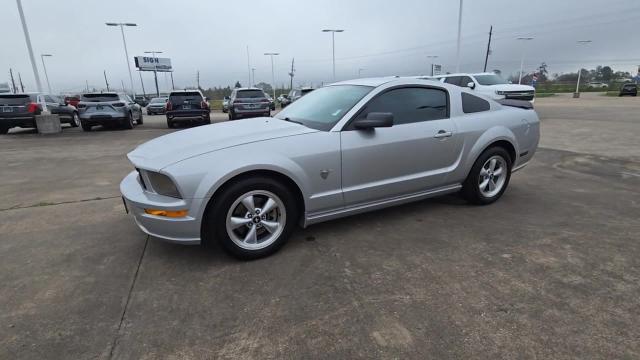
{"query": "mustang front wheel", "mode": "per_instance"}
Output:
(251, 218)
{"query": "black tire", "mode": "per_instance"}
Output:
(214, 222)
(128, 122)
(4, 130)
(232, 116)
(140, 120)
(85, 126)
(470, 188)
(149, 112)
(169, 123)
(207, 119)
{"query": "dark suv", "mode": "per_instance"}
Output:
(248, 102)
(18, 110)
(187, 105)
(629, 89)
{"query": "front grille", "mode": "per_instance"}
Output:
(520, 95)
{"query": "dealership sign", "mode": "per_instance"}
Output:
(150, 63)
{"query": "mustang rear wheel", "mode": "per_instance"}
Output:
(489, 177)
(251, 218)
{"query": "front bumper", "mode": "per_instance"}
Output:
(185, 230)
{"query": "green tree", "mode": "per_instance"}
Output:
(237, 85)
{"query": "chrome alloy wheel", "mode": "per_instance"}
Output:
(493, 175)
(256, 219)
(75, 120)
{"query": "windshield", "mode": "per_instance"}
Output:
(323, 108)
(490, 79)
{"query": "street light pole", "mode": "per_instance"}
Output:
(44, 67)
(155, 68)
(522, 58)
(432, 57)
(333, 47)
(577, 93)
(253, 77)
(273, 76)
(459, 37)
(28, 41)
(126, 52)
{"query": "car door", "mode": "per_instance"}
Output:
(414, 155)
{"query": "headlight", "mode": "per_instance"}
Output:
(159, 183)
(499, 92)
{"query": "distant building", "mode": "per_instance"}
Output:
(4, 88)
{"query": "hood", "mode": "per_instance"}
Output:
(180, 145)
(510, 87)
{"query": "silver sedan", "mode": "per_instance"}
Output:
(346, 148)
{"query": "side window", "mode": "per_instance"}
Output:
(453, 80)
(465, 80)
(474, 104)
(409, 105)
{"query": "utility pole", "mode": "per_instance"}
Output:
(253, 77)
(13, 83)
(198, 78)
(486, 58)
(20, 80)
(173, 86)
(249, 65)
(142, 84)
(105, 79)
(291, 74)
(28, 41)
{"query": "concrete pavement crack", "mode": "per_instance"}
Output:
(126, 305)
(41, 204)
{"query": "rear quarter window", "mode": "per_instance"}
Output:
(473, 104)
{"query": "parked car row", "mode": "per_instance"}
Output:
(293, 95)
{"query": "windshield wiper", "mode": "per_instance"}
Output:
(293, 121)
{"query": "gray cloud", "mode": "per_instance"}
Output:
(382, 37)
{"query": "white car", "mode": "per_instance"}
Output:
(491, 85)
(597, 85)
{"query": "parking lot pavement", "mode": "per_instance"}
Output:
(549, 271)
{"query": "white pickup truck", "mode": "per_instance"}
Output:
(490, 85)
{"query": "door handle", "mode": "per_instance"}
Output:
(443, 134)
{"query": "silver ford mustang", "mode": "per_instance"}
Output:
(343, 149)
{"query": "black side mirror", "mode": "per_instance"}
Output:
(374, 120)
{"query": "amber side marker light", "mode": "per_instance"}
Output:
(167, 213)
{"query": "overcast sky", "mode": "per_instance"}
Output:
(382, 37)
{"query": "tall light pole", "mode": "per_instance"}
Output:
(155, 68)
(44, 67)
(273, 76)
(253, 77)
(523, 39)
(459, 37)
(27, 39)
(577, 93)
(432, 57)
(126, 52)
(333, 47)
